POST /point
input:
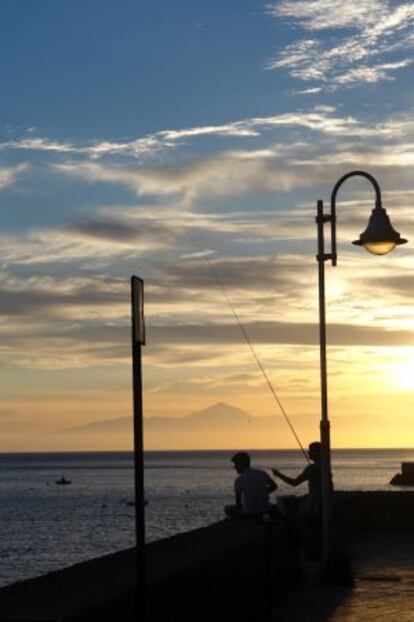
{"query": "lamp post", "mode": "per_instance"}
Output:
(378, 238)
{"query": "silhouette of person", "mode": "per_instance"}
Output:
(252, 488)
(312, 475)
(310, 508)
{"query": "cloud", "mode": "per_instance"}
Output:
(242, 273)
(322, 14)
(311, 91)
(8, 174)
(125, 231)
(99, 241)
(221, 175)
(168, 239)
(216, 346)
(322, 119)
(54, 322)
(282, 333)
(374, 73)
(147, 145)
(401, 285)
(381, 30)
(39, 144)
(139, 147)
(43, 297)
(232, 173)
(181, 285)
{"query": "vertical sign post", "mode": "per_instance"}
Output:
(138, 339)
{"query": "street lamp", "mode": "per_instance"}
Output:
(378, 238)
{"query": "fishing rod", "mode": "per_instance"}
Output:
(216, 275)
(254, 353)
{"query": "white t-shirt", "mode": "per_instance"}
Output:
(252, 484)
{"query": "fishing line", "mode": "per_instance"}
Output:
(248, 342)
(253, 351)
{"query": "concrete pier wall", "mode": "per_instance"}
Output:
(375, 510)
(224, 571)
(227, 571)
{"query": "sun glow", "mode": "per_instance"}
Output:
(401, 370)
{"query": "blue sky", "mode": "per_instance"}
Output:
(94, 69)
(145, 137)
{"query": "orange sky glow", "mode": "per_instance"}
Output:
(179, 143)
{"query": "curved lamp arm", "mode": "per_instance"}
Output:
(378, 203)
(379, 231)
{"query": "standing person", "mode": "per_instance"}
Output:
(252, 488)
(310, 509)
(311, 474)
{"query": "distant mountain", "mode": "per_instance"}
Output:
(220, 415)
(121, 424)
(223, 426)
(220, 410)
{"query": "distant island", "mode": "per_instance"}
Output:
(220, 426)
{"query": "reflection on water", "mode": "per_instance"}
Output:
(45, 526)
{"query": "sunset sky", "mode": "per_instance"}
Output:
(178, 139)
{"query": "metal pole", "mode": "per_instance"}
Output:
(324, 424)
(138, 455)
(321, 219)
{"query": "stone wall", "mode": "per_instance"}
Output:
(223, 572)
(375, 510)
(227, 571)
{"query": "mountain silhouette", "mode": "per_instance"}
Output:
(120, 424)
(219, 415)
(223, 426)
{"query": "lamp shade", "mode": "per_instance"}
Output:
(379, 238)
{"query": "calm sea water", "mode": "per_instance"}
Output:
(44, 526)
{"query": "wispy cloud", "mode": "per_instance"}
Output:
(279, 169)
(322, 14)
(39, 144)
(380, 42)
(94, 149)
(222, 175)
(139, 147)
(58, 300)
(323, 119)
(8, 175)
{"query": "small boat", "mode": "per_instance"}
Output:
(63, 481)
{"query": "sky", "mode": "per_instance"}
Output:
(187, 142)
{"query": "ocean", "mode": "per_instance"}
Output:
(44, 526)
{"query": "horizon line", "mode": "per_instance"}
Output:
(186, 450)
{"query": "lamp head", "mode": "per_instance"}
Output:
(380, 237)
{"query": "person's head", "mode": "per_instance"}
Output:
(241, 461)
(315, 451)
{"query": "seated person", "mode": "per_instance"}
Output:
(251, 488)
